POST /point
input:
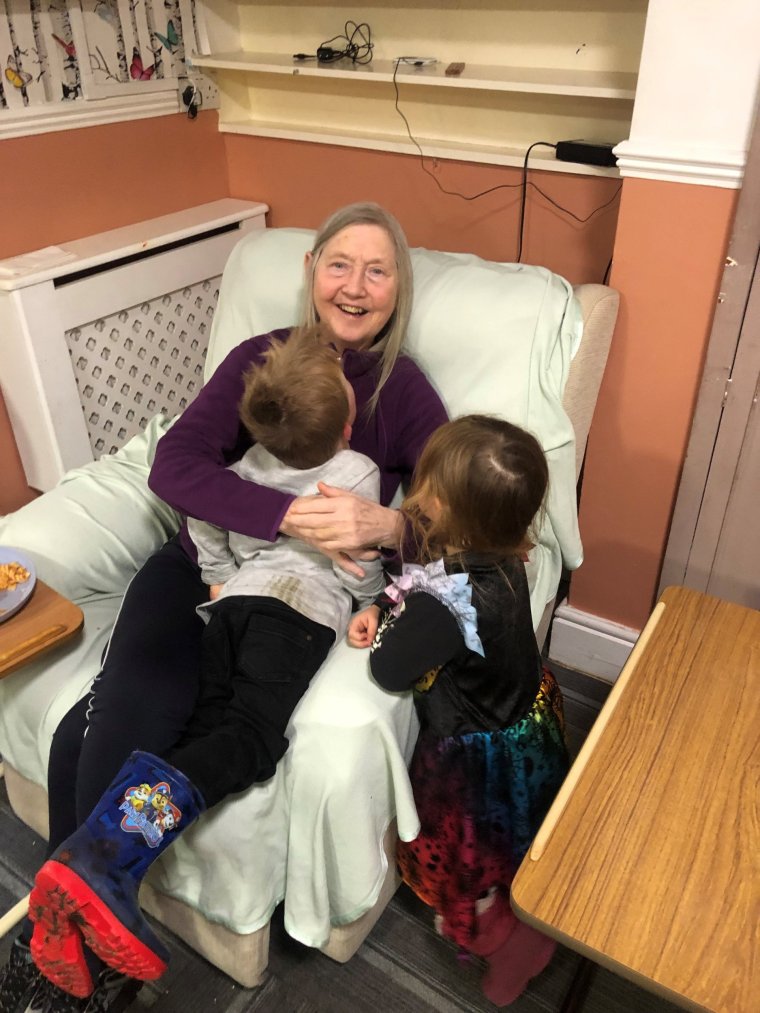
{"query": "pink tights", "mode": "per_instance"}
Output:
(515, 952)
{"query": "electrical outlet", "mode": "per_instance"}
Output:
(204, 85)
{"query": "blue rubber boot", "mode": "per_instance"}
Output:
(87, 890)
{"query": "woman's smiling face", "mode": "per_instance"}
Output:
(355, 285)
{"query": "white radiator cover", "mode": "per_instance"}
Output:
(139, 361)
(116, 331)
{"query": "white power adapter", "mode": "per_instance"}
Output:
(416, 61)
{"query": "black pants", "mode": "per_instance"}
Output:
(143, 697)
(259, 656)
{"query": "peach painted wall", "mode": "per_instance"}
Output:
(73, 183)
(303, 183)
(669, 253)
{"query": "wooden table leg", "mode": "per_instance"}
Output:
(579, 986)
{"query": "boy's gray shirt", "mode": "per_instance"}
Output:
(289, 569)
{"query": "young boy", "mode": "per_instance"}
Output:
(277, 607)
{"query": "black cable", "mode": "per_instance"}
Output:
(413, 139)
(524, 194)
(358, 51)
(568, 212)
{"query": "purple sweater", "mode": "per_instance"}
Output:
(190, 468)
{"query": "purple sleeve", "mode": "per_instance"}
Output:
(190, 470)
(419, 412)
(413, 410)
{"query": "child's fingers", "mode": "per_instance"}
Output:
(363, 627)
(356, 633)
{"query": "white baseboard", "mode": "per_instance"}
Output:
(590, 644)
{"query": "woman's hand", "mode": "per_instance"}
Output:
(214, 590)
(341, 525)
(363, 627)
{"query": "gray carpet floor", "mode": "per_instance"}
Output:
(403, 965)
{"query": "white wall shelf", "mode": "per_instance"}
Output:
(432, 147)
(531, 72)
(542, 80)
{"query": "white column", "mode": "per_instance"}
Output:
(696, 92)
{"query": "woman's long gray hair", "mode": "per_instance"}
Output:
(392, 336)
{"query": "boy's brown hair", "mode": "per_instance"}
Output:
(294, 403)
(490, 477)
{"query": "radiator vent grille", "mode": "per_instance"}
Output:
(142, 360)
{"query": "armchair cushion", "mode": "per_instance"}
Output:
(90, 534)
(88, 537)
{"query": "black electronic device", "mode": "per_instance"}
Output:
(586, 152)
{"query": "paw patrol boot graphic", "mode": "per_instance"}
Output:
(87, 890)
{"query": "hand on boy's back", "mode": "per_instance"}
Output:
(363, 627)
(338, 521)
(214, 590)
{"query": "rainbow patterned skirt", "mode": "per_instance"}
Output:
(481, 798)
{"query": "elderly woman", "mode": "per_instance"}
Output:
(359, 287)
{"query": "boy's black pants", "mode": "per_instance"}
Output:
(258, 657)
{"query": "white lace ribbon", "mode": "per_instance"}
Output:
(451, 589)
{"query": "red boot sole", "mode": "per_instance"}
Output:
(59, 892)
(57, 949)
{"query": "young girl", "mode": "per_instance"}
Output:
(491, 753)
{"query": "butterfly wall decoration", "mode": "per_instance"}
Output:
(106, 12)
(15, 75)
(137, 71)
(170, 41)
(149, 46)
(68, 47)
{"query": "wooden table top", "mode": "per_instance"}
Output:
(47, 620)
(652, 867)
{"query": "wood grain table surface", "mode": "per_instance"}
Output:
(649, 861)
(47, 620)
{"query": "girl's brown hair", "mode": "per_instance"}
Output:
(489, 478)
(295, 403)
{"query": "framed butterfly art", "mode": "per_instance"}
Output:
(124, 57)
(82, 50)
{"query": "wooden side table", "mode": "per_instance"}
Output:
(648, 861)
(47, 620)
